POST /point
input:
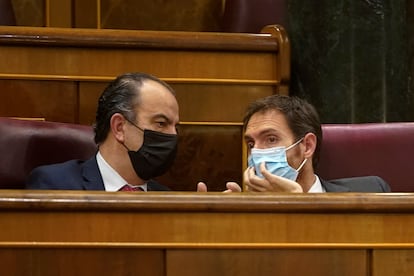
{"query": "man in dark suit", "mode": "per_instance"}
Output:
(135, 131)
(283, 135)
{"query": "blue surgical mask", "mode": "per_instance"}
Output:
(275, 160)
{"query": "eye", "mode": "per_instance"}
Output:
(250, 144)
(271, 140)
(161, 124)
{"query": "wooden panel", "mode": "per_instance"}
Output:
(30, 13)
(110, 63)
(388, 262)
(60, 52)
(81, 261)
(310, 262)
(59, 13)
(206, 233)
(52, 100)
(198, 102)
(217, 102)
(89, 93)
(353, 220)
(200, 66)
(183, 15)
(194, 62)
(208, 153)
(193, 227)
(86, 13)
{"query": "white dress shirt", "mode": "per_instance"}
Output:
(317, 186)
(111, 178)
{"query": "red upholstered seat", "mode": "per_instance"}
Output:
(382, 149)
(26, 144)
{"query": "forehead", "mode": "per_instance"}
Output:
(268, 121)
(155, 100)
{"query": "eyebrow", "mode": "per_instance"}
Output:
(263, 132)
(162, 116)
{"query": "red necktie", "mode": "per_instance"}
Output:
(127, 188)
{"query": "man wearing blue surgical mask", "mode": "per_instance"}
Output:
(283, 135)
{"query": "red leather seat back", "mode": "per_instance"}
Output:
(382, 149)
(25, 145)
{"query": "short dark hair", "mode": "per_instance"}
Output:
(300, 115)
(120, 96)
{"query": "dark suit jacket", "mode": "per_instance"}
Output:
(364, 184)
(74, 175)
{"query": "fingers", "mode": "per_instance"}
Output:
(270, 182)
(201, 187)
(280, 184)
(253, 183)
(246, 177)
(232, 187)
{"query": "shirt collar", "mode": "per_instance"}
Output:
(317, 186)
(111, 178)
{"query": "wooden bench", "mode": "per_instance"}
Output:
(58, 74)
(106, 233)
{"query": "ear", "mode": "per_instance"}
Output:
(118, 127)
(309, 141)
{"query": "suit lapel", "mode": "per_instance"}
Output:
(91, 175)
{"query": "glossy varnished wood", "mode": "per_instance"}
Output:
(90, 54)
(207, 233)
(278, 217)
(138, 39)
(206, 68)
(245, 202)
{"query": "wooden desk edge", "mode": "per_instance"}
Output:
(206, 202)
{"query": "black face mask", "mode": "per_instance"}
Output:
(156, 154)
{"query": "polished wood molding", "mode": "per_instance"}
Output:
(181, 245)
(213, 201)
(110, 78)
(206, 233)
(282, 39)
(106, 38)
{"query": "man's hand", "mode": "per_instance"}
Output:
(201, 187)
(231, 187)
(270, 182)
